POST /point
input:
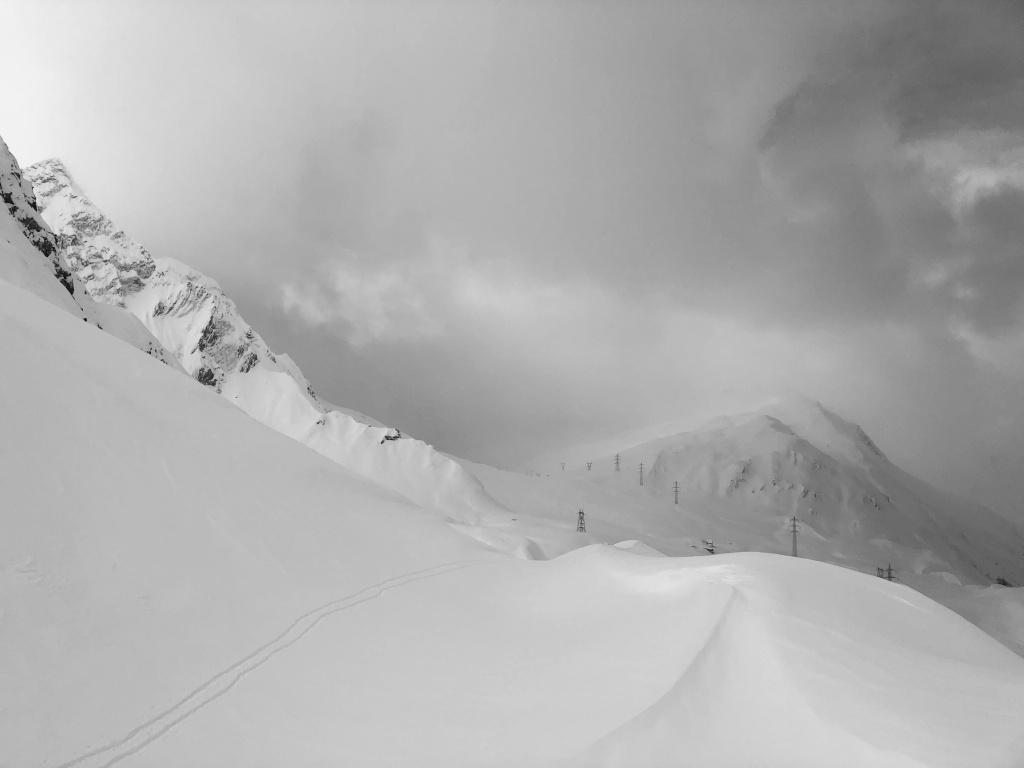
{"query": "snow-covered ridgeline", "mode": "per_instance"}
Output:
(201, 326)
(828, 472)
(746, 475)
(30, 257)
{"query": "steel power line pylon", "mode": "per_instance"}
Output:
(793, 528)
(675, 488)
(886, 573)
(616, 462)
(581, 525)
(641, 468)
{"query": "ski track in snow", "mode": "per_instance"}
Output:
(143, 735)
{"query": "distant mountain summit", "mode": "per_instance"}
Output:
(797, 455)
(814, 422)
(201, 327)
(798, 458)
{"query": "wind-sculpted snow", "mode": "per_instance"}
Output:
(201, 327)
(806, 675)
(181, 586)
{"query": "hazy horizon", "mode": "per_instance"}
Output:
(504, 227)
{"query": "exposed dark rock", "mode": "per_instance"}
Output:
(207, 377)
(209, 336)
(249, 362)
(20, 202)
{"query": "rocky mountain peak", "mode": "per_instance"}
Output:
(184, 309)
(109, 263)
(192, 318)
(18, 197)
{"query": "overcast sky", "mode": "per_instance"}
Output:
(507, 226)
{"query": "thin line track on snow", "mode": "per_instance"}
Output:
(215, 687)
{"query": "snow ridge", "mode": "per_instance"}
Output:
(31, 258)
(202, 329)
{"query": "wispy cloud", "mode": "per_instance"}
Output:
(371, 306)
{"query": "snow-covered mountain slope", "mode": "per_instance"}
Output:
(756, 470)
(152, 533)
(742, 478)
(30, 258)
(180, 585)
(193, 318)
(28, 249)
(830, 475)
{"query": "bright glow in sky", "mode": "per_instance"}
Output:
(507, 226)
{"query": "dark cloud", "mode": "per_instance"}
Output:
(864, 215)
(955, 64)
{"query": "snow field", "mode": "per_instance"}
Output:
(603, 657)
(153, 533)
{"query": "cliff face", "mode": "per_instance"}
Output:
(18, 197)
(106, 260)
(32, 257)
(187, 311)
